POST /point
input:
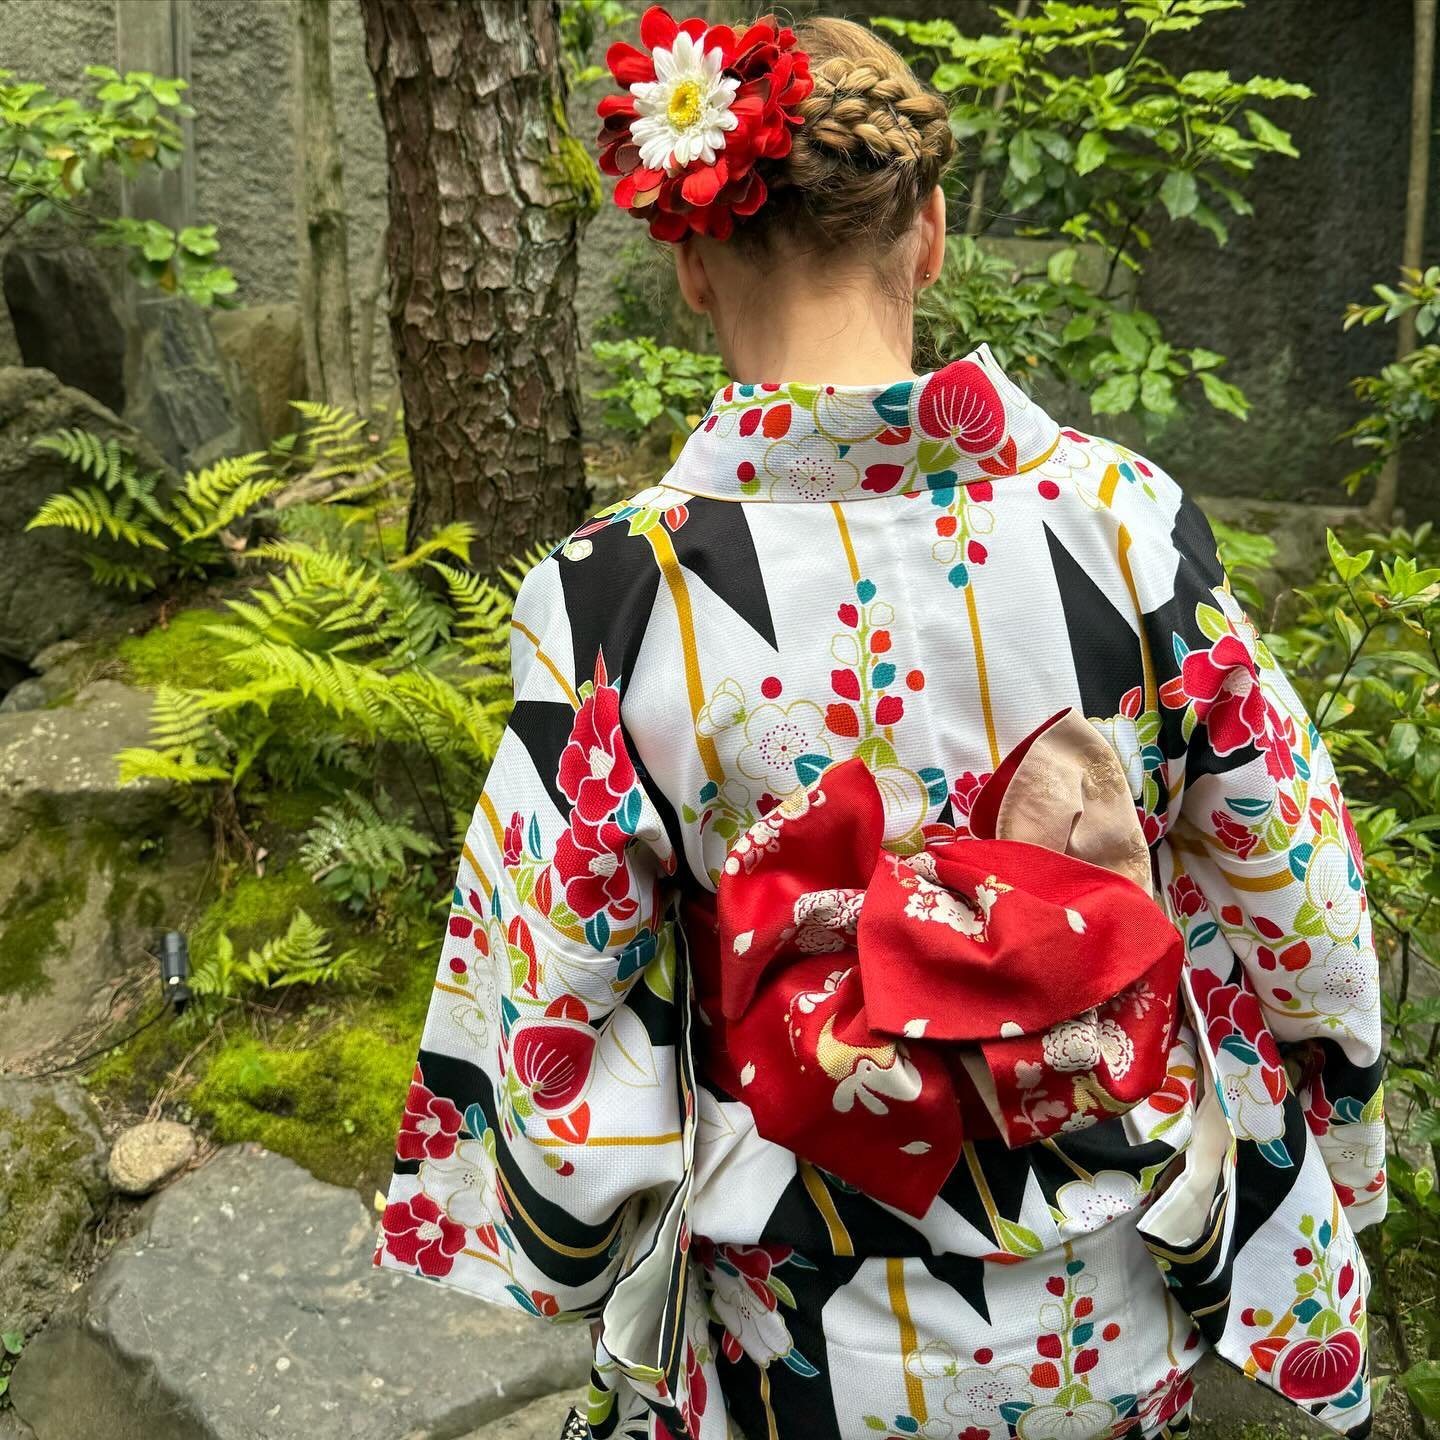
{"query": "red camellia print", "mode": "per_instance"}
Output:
(590, 861)
(554, 1060)
(1223, 685)
(961, 403)
(595, 772)
(1235, 1010)
(430, 1126)
(419, 1233)
(1320, 1369)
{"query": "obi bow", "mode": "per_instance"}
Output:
(877, 1010)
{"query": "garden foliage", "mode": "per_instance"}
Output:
(56, 155)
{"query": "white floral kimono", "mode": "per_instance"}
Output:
(915, 574)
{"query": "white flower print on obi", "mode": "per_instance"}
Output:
(928, 901)
(809, 469)
(763, 837)
(826, 920)
(1084, 1041)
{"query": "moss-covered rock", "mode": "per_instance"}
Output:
(184, 651)
(52, 1184)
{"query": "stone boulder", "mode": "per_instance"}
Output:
(247, 1309)
(46, 593)
(266, 345)
(66, 321)
(180, 390)
(87, 867)
(145, 1156)
(52, 1183)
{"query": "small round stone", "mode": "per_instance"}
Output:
(145, 1156)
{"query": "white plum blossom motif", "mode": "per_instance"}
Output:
(776, 737)
(684, 113)
(1252, 1110)
(1344, 984)
(720, 712)
(810, 469)
(846, 414)
(930, 902)
(978, 1393)
(1090, 1205)
(464, 1184)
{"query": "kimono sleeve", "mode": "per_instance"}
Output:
(1265, 879)
(543, 1105)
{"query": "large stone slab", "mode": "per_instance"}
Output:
(52, 1183)
(266, 345)
(58, 766)
(247, 1309)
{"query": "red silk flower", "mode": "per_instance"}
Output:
(700, 106)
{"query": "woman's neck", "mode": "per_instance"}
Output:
(854, 336)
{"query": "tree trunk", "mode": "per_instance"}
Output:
(324, 258)
(1387, 487)
(488, 195)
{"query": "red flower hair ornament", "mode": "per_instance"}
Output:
(700, 107)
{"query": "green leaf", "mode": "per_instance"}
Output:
(1224, 396)
(1092, 152)
(13, 1341)
(1017, 1239)
(1269, 134)
(1025, 156)
(1157, 393)
(1060, 268)
(1129, 339)
(1422, 1385)
(1117, 395)
(1180, 193)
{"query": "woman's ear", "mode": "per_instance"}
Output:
(691, 274)
(930, 253)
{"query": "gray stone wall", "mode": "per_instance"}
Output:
(1327, 226)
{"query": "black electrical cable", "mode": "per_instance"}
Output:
(99, 1049)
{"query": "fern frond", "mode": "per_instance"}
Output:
(453, 539)
(103, 460)
(91, 512)
(118, 575)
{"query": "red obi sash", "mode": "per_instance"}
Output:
(874, 1011)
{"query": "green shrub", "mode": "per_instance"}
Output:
(1074, 126)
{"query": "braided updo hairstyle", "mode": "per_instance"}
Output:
(874, 144)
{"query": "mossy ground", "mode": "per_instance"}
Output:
(181, 651)
(320, 1077)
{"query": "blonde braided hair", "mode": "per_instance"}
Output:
(873, 144)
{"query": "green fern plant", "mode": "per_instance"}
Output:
(301, 956)
(175, 536)
(359, 850)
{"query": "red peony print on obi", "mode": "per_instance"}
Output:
(873, 1010)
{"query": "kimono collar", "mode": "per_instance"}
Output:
(795, 442)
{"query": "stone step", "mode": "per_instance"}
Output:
(247, 1309)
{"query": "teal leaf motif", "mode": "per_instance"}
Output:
(893, 405)
(597, 931)
(475, 1123)
(811, 767)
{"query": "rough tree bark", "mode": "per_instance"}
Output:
(488, 195)
(324, 255)
(1387, 487)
